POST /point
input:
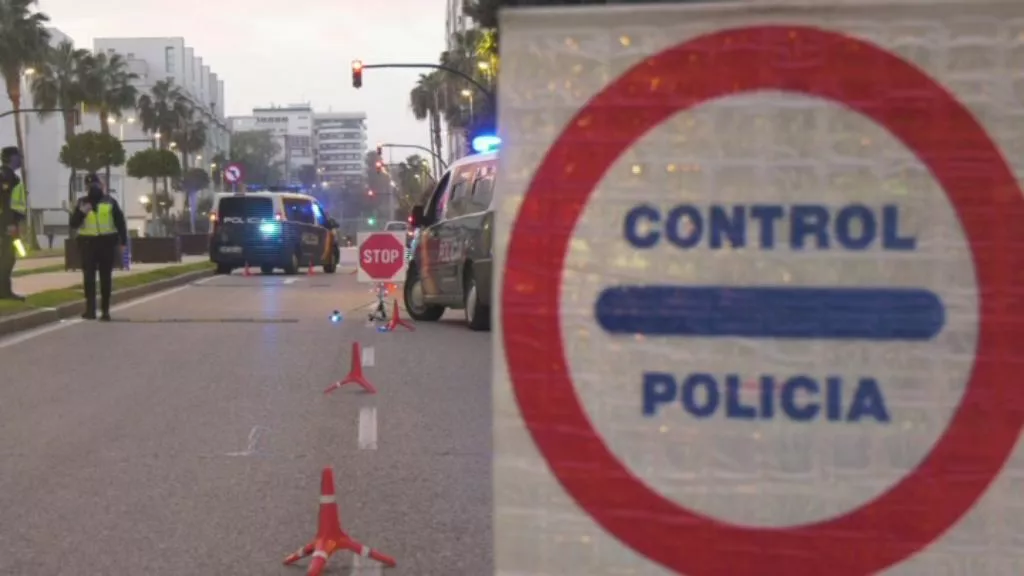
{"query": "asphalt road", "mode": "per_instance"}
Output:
(181, 441)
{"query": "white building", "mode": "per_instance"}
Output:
(291, 127)
(153, 60)
(341, 144)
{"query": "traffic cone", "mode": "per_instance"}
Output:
(397, 321)
(330, 537)
(355, 373)
(246, 271)
(310, 272)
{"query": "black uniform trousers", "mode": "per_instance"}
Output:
(7, 259)
(97, 254)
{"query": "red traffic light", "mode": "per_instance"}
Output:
(380, 166)
(357, 73)
(369, 192)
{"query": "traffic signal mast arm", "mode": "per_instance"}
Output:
(358, 67)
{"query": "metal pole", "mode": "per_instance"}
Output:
(467, 77)
(444, 164)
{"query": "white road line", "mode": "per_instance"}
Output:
(254, 438)
(19, 338)
(365, 567)
(367, 428)
(290, 280)
(368, 357)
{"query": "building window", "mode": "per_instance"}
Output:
(169, 59)
(131, 55)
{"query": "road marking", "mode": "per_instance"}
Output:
(364, 567)
(367, 428)
(290, 281)
(18, 339)
(254, 438)
(368, 357)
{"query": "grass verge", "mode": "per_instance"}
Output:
(60, 296)
(39, 270)
(44, 253)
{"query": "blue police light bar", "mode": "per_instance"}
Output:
(486, 143)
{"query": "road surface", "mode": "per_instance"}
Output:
(178, 440)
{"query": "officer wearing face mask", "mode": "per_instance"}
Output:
(102, 235)
(12, 213)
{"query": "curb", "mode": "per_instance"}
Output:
(37, 318)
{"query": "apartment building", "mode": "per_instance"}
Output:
(291, 126)
(341, 144)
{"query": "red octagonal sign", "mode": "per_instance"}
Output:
(381, 257)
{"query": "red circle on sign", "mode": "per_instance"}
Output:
(233, 167)
(392, 250)
(961, 157)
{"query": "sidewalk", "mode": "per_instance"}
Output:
(35, 283)
(33, 263)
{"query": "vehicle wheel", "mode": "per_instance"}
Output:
(223, 269)
(478, 316)
(331, 265)
(293, 266)
(414, 305)
(267, 270)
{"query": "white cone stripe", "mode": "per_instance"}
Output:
(328, 499)
(365, 552)
(320, 554)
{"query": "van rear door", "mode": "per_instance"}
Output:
(239, 222)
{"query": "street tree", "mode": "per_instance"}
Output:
(257, 151)
(155, 164)
(58, 84)
(109, 90)
(307, 175)
(91, 152)
(24, 41)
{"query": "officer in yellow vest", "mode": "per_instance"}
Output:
(102, 234)
(13, 206)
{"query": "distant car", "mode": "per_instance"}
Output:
(271, 230)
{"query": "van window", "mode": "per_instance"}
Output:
(245, 207)
(433, 209)
(318, 215)
(483, 189)
(459, 195)
(298, 210)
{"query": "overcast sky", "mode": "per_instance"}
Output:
(286, 52)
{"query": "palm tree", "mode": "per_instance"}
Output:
(189, 136)
(160, 110)
(24, 41)
(58, 83)
(160, 113)
(425, 100)
(109, 90)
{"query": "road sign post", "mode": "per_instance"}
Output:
(381, 257)
(233, 174)
(754, 298)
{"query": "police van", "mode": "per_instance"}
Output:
(450, 260)
(271, 230)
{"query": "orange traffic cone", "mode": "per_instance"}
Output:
(246, 271)
(309, 272)
(355, 373)
(397, 321)
(330, 537)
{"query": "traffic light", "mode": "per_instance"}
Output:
(380, 150)
(380, 167)
(371, 221)
(369, 192)
(357, 73)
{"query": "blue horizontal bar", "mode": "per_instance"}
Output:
(796, 313)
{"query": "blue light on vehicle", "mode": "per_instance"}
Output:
(486, 143)
(335, 317)
(270, 228)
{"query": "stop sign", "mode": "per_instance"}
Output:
(381, 257)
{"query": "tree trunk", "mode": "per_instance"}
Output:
(14, 93)
(69, 131)
(437, 132)
(105, 130)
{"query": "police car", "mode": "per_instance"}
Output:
(450, 256)
(271, 230)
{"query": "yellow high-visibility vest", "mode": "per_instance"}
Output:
(19, 203)
(99, 222)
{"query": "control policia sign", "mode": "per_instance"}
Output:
(761, 290)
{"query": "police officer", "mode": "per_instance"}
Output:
(12, 213)
(102, 235)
